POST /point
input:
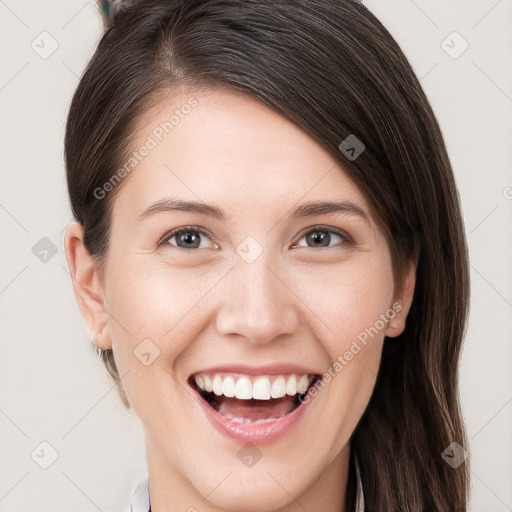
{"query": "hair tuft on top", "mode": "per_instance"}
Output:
(110, 11)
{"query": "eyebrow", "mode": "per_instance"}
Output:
(326, 207)
(170, 205)
(305, 210)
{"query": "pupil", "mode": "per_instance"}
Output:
(187, 238)
(320, 236)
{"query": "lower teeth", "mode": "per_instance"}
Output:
(298, 398)
(248, 420)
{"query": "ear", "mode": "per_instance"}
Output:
(87, 285)
(403, 299)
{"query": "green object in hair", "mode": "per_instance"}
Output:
(108, 10)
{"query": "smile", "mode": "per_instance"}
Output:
(258, 408)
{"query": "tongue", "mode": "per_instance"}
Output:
(256, 409)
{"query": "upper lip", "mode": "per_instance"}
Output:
(276, 368)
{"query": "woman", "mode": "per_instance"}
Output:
(270, 254)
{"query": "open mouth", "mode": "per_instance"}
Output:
(245, 399)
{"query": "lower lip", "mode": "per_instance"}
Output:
(257, 433)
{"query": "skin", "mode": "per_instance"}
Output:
(297, 302)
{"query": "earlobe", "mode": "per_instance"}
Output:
(87, 285)
(403, 301)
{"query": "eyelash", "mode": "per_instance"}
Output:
(329, 229)
(199, 230)
(187, 229)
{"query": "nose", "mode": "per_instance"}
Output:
(257, 302)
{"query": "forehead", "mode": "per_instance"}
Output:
(228, 148)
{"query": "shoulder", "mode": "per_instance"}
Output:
(140, 497)
(359, 488)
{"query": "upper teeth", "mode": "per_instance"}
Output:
(260, 388)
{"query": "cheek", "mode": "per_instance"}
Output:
(349, 298)
(351, 301)
(155, 302)
(155, 317)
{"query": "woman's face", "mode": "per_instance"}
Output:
(270, 289)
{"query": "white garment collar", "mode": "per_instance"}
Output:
(140, 498)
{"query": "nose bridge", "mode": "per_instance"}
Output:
(256, 302)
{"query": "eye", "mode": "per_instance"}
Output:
(321, 236)
(188, 237)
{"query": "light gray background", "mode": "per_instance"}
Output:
(51, 387)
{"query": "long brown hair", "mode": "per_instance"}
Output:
(333, 69)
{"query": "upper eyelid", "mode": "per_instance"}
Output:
(325, 227)
(173, 232)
